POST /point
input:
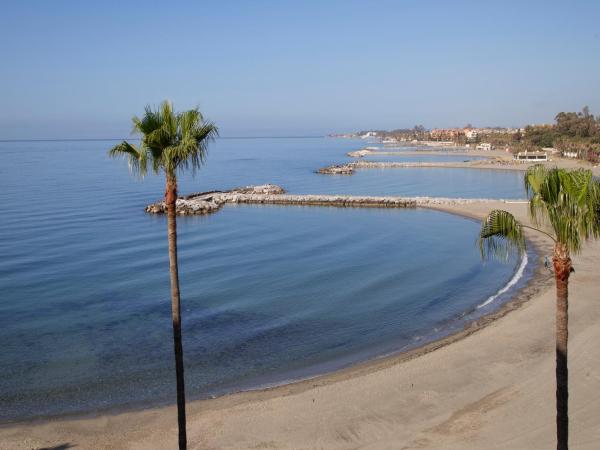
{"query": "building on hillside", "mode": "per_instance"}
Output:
(368, 134)
(471, 133)
(446, 134)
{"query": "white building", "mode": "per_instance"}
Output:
(471, 134)
(571, 154)
(531, 156)
(485, 146)
(369, 134)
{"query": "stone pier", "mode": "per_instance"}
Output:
(348, 169)
(209, 202)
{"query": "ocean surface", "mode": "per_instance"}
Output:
(269, 293)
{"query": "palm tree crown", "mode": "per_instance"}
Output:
(170, 141)
(564, 202)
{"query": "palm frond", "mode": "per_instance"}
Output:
(568, 201)
(149, 122)
(170, 141)
(191, 146)
(136, 157)
(501, 236)
(534, 181)
(196, 137)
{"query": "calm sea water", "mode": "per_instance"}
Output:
(269, 293)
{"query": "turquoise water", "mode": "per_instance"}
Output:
(269, 293)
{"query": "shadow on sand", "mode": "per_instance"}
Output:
(57, 447)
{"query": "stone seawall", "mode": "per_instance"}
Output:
(383, 165)
(210, 202)
(401, 151)
(322, 200)
(348, 169)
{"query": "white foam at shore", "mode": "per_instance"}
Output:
(516, 277)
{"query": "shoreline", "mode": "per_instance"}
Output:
(521, 295)
(464, 391)
(538, 281)
(493, 159)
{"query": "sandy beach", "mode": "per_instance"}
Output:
(491, 387)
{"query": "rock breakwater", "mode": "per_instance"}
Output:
(348, 169)
(209, 202)
(344, 169)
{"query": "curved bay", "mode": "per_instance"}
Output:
(269, 293)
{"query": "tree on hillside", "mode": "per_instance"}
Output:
(516, 137)
(565, 206)
(540, 135)
(573, 124)
(170, 143)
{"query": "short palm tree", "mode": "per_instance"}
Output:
(564, 205)
(170, 143)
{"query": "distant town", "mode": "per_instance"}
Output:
(573, 135)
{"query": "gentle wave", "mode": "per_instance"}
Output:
(514, 280)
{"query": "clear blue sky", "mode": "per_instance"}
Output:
(81, 69)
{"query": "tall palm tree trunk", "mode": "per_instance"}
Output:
(170, 201)
(562, 270)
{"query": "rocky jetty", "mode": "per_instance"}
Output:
(270, 189)
(344, 169)
(387, 152)
(185, 207)
(392, 165)
(209, 202)
(360, 153)
(322, 200)
(348, 169)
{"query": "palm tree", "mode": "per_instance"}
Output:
(170, 143)
(566, 204)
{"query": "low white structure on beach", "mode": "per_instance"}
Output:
(485, 146)
(531, 156)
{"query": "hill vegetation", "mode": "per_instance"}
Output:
(574, 132)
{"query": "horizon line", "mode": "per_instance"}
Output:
(135, 138)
